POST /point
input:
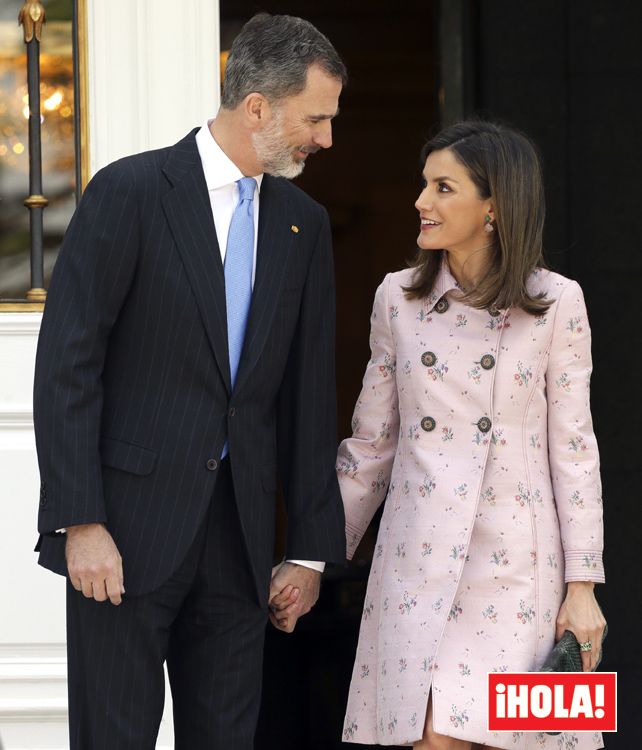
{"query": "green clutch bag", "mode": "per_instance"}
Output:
(566, 657)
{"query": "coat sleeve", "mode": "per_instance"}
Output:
(573, 452)
(364, 462)
(306, 423)
(93, 272)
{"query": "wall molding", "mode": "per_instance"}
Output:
(20, 324)
(33, 684)
(16, 417)
(33, 710)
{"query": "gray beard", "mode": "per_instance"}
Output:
(275, 155)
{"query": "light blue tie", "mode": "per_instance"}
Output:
(239, 261)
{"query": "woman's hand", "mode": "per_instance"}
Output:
(581, 614)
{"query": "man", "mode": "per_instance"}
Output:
(185, 363)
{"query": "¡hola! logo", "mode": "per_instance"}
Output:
(552, 702)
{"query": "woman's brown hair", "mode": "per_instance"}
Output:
(504, 166)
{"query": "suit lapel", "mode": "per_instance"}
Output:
(189, 214)
(275, 241)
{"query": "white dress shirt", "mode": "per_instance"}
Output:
(221, 175)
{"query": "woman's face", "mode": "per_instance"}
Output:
(451, 212)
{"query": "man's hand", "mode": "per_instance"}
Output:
(293, 592)
(94, 563)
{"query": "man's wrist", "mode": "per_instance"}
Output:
(78, 528)
(312, 564)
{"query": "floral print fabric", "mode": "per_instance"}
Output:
(475, 428)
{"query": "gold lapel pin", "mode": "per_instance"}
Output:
(294, 228)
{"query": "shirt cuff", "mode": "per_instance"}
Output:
(313, 564)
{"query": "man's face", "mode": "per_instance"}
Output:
(299, 125)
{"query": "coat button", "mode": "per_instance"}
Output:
(484, 424)
(494, 312)
(442, 305)
(428, 424)
(212, 464)
(232, 412)
(487, 362)
(429, 359)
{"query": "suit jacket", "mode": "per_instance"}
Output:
(133, 400)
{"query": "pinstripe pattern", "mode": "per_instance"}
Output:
(206, 623)
(132, 406)
(132, 387)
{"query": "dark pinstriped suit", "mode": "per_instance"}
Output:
(132, 401)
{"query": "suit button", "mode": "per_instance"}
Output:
(494, 312)
(212, 464)
(429, 359)
(487, 362)
(484, 424)
(232, 412)
(442, 305)
(428, 424)
(43, 501)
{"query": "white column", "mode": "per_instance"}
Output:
(153, 75)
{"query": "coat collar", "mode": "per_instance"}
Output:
(444, 283)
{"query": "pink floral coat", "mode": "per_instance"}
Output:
(475, 428)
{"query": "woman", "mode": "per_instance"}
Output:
(474, 424)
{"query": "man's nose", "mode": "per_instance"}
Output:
(323, 135)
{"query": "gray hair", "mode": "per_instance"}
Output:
(272, 54)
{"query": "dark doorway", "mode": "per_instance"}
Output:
(369, 182)
(567, 73)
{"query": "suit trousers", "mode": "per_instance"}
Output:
(205, 621)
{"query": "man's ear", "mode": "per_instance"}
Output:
(256, 108)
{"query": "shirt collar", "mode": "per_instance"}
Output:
(218, 168)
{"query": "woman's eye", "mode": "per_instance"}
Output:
(424, 184)
(443, 188)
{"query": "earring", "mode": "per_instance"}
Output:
(488, 226)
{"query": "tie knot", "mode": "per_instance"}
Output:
(246, 188)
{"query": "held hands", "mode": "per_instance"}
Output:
(94, 563)
(581, 614)
(294, 590)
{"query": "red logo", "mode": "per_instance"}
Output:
(552, 702)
